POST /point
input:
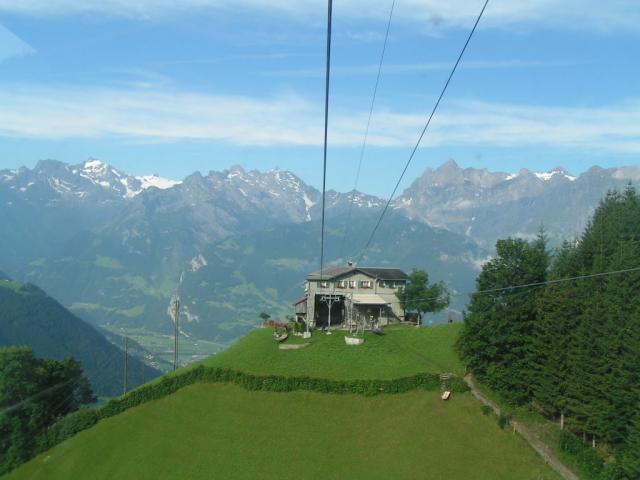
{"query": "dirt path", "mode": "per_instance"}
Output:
(537, 445)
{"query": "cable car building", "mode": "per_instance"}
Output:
(342, 296)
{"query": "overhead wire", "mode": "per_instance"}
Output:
(326, 126)
(39, 394)
(366, 131)
(533, 284)
(424, 130)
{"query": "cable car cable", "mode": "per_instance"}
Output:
(424, 130)
(366, 132)
(326, 125)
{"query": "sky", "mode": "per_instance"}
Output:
(170, 87)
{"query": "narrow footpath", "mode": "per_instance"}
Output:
(537, 445)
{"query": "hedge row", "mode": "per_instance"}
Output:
(274, 383)
(67, 427)
(85, 418)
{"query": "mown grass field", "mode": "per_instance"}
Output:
(403, 351)
(223, 431)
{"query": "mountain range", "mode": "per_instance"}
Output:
(114, 247)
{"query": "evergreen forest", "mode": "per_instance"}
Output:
(559, 331)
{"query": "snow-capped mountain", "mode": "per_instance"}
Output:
(91, 178)
(488, 205)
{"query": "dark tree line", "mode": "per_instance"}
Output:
(34, 393)
(571, 349)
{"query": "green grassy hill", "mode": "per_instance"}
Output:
(401, 352)
(217, 430)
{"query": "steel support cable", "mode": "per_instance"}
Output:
(424, 130)
(533, 284)
(326, 126)
(366, 132)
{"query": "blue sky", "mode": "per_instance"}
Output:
(170, 87)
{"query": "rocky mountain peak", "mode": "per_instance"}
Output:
(49, 166)
(448, 167)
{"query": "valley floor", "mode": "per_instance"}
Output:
(223, 431)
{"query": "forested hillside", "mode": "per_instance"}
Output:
(28, 316)
(569, 348)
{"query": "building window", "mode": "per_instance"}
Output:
(306, 286)
(352, 284)
(323, 284)
(365, 283)
(382, 284)
(341, 284)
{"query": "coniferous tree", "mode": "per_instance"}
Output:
(558, 310)
(497, 339)
(631, 455)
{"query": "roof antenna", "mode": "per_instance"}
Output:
(350, 263)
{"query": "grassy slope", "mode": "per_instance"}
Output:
(401, 352)
(223, 431)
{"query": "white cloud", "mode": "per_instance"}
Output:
(171, 115)
(566, 14)
(423, 67)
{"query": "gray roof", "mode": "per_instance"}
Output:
(380, 273)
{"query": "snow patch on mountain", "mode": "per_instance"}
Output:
(198, 262)
(545, 176)
(308, 203)
(149, 181)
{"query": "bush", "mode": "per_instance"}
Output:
(486, 409)
(587, 457)
(67, 427)
(613, 471)
(503, 420)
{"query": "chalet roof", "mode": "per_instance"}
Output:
(385, 273)
(380, 273)
(300, 300)
(369, 299)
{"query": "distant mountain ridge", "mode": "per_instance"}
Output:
(488, 205)
(233, 201)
